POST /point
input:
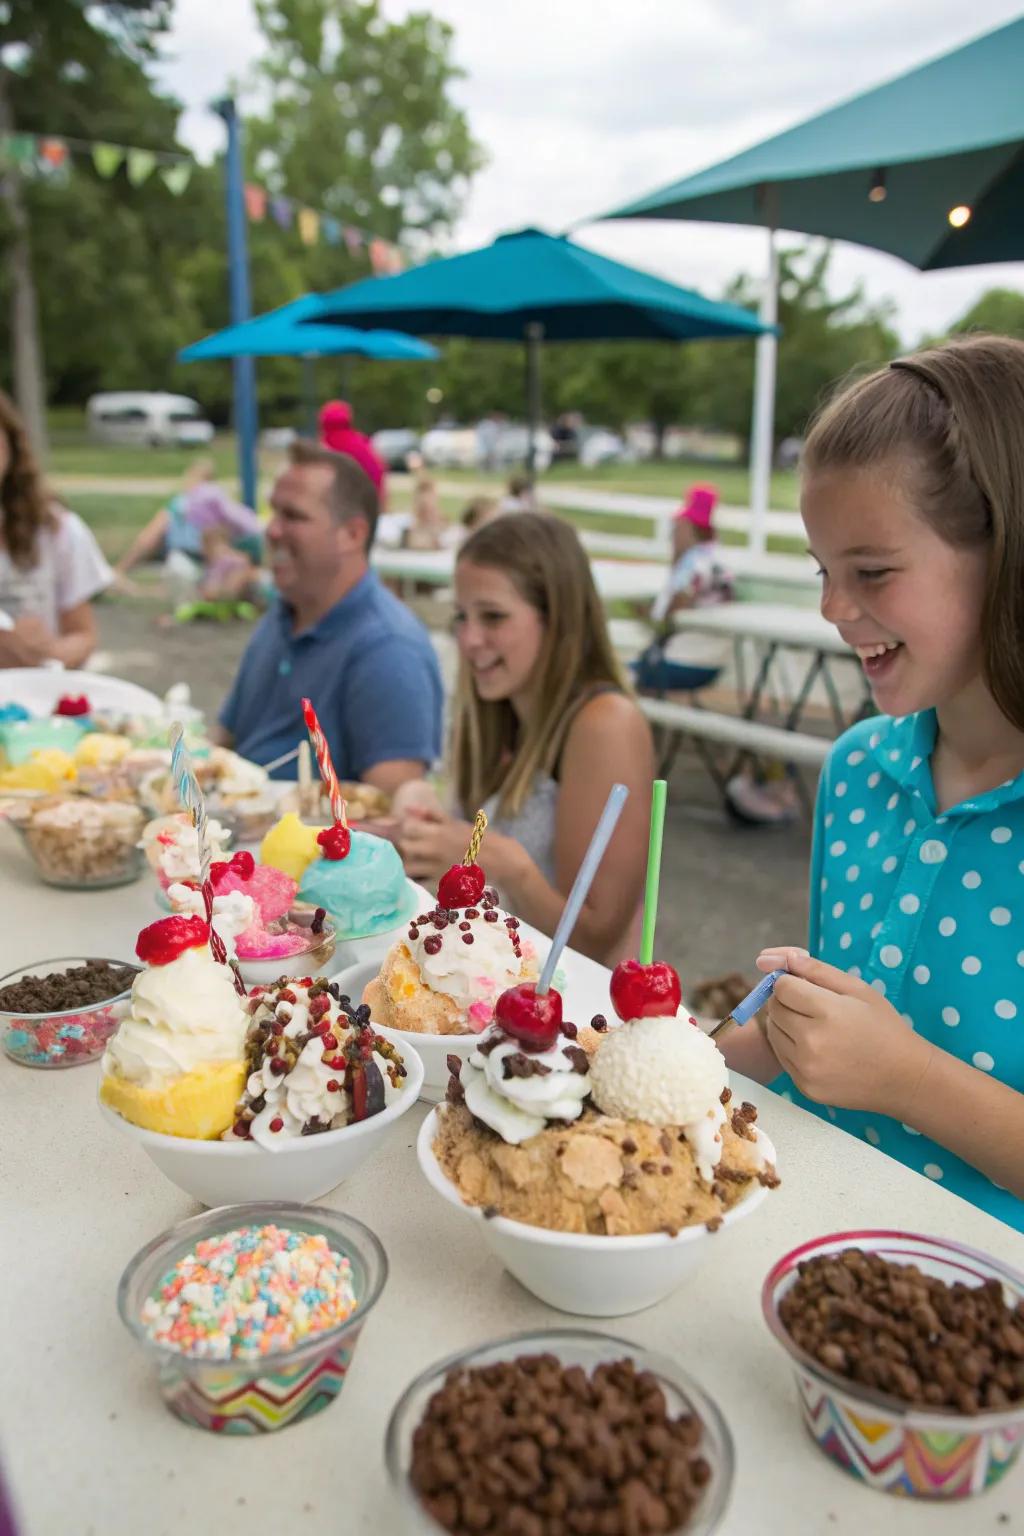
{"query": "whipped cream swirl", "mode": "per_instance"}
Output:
(232, 914)
(472, 975)
(182, 1015)
(553, 1086)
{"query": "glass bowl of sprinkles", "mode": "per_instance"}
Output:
(252, 1312)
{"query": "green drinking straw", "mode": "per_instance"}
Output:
(659, 791)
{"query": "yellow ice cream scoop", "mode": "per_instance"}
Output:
(47, 769)
(100, 749)
(291, 846)
(199, 1105)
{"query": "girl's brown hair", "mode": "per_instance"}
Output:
(955, 415)
(25, 504)
(493, 752)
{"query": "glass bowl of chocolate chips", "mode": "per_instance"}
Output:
(61, 1013)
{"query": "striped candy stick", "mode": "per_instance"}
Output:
(192, 798)
(325, 763)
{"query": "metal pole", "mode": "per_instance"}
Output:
(534, 337)
(762, 430)
(246, 423)
(309, 396)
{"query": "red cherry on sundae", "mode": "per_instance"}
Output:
(243, 864)
(335, 841)
(461, 886)
(532, 1018)
(645, 991)
(165, 940)
(72, 704)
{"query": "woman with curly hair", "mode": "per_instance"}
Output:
(50, 564)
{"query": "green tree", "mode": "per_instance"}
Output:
(1000, 310)
(48, 53)
(823, 339)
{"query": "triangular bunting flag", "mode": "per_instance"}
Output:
(380, 259)
(255, 202)
(353, 239)
(20, 148)
(282, 211)
(330, 229)
(177, 177)
(309, 225)
(53, 152)
(107, 158)
(141, 163)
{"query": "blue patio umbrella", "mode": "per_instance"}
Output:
(530, 286)
(279, 334)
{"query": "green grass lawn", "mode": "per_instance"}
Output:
(115, 519)
(665, 478)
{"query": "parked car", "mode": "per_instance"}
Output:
(395, 445)
(150, 419)
(450, 447)
(597, 445)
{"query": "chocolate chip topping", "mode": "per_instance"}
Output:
(534, 1448)
(80, 986)
(890, 1327)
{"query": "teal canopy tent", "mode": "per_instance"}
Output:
(928, 167)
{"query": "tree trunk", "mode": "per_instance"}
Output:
(29, 390)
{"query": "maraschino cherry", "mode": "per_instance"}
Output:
(165, 940)
(531, 1017)
(645, 991)
(463, 885)
(336, 841)
(242, 863)
(72, 704)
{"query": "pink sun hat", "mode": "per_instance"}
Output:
(700, 503)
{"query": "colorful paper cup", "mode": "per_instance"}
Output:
(251, 1397)
(908, 1451)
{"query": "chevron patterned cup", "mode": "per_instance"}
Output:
(888, 1445)
(251, 1397)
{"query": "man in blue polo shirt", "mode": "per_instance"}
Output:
(335, 636)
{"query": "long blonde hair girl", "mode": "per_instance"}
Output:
(493, 752)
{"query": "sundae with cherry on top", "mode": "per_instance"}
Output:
(445, 975)
(609, 1132)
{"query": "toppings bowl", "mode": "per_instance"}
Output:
(888, 1444)
(589, 1274)
(81, 844)
(252, 1394)
(296, 1168)
(419, 1469)
(42, 1024)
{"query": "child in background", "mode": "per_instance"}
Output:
(699, 578)
(479, 511)
(906, 1028)
(520, 496)
(428, 526)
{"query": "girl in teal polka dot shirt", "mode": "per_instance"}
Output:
(905, 1024)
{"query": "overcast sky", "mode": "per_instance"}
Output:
(583, 104)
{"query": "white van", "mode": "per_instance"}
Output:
(149, 419)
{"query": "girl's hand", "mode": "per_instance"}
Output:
(779, 958)
(840, 1041)
(431, 843)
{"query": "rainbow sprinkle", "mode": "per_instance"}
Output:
(251, 1292)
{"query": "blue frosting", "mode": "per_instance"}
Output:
(365, 893)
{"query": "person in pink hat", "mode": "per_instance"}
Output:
(686, 661)
(339, 435)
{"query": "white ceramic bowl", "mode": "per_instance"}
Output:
(433, 1050)
(301, 1168)
(590, 1275)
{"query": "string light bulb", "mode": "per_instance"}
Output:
(959, 215)
(878, 191)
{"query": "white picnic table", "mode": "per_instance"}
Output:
(777, 631)
(89, 1450)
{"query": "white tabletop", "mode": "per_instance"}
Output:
(777, 623)
(90, 1450)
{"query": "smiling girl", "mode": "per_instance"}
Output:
(544, 725)
(907, 1029)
